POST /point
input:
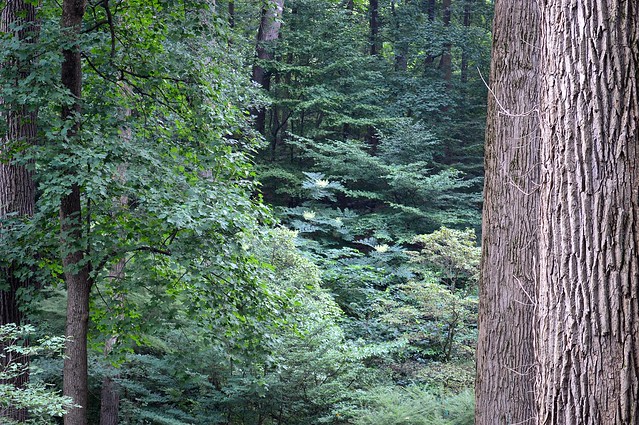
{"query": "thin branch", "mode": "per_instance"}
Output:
(95, 26)
(151, 249)
(530, 298)
(107, 10)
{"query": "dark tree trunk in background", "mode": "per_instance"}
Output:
(110, 391)
(231, 12)
(17, 189)
(350, 5)
(401, 48)
(505, 350)
(76, 269)
(445, 63)
(464, 58)
(375, 42)
(588, 342)
(268, 32)
(429, 8)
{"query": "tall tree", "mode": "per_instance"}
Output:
(269, 31)
(505, 351)
(446, 61)
(464, 57)
(588, 342)
(374, 24)
(17, 188)
(76, 266)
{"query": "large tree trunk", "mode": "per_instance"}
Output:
(268, 32)
(76, 269)
(17, 189)
(505, 350)
(588, 350)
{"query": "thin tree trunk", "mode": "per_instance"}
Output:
(110, 391)
(17, 189)
(464, 57)
(505, 350)
(588, 345)
(76, 269)
(446, 62)
(375, 42)
(268, 32)
(401, 48)
(429, 8)
(231, 12)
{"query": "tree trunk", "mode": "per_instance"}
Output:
(375, 42)
(588, 348)
(76, 269)
(464, 57)
(505, 350)
(17, 189)
(231, 12)
(446, 62)
(401, 46)
(428, 6)
(110, 392)
(268, 32)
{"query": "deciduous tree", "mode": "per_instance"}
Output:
(269, 31)
(505, 352)
(588, 306)
(17, 188)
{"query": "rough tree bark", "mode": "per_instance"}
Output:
(588, 348)
(268, 32)
(17, 189)
(76, 268)
(505, 351)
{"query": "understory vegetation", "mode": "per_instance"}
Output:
(322, 269)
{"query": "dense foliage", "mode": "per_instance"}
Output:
(322, 272)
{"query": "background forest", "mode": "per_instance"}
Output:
(278, 204)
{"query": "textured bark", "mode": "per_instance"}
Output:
(268, 32)
(17, 189)
(589, 286)
(505, 350)
(76, 269)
